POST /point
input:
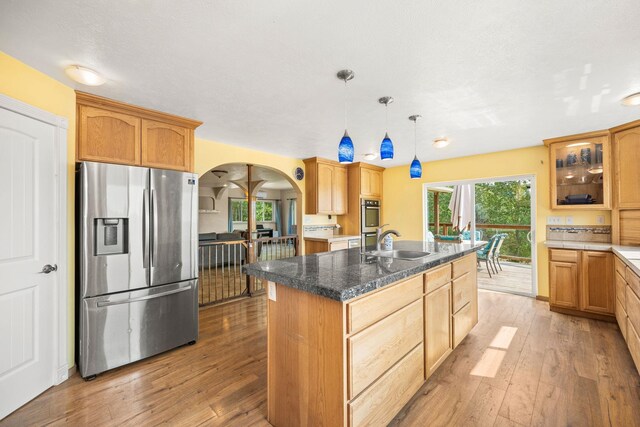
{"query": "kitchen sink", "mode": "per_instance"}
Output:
(399, 254)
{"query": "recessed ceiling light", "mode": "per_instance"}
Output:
(370, 156)
(84, 75)
(631, 100)
(440, 142)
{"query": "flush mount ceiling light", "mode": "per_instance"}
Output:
(345, 148)
(386, 147)
(415, 170)
(631, 100)
(440, 142)
(370, 156)
(85, 76)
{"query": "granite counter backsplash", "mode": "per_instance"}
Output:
(346, 274)
(579, 233)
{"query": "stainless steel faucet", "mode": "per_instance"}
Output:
(380, 235)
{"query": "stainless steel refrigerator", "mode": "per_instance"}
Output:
(136, 265)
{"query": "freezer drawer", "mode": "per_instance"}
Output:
(174, 226)
(126, 327)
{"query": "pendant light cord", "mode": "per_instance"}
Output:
(415, 138)
(345, 105)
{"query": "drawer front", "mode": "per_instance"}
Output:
(621, 286)
(621, 317)
(633, 281)
(439, 276)
(633, 308)
(384, 399)
(463, 322)
(464, 265)
(370, 309)
(382, 345)
(563, 255)
(633, 342)
(620, 266)
(463, 289)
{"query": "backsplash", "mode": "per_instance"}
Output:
(580, 233)
(319, 230)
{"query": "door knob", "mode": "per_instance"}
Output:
(49, 268)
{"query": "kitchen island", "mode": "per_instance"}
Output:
(351, 337)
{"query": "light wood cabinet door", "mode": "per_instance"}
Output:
(438, 323)
(627, 159)
(339, 195)
(597, 290)
(370, 183)
(563, 284)
(325, 188)
(166, 146)
(108, 136)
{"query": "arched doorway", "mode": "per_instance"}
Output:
(247, 213)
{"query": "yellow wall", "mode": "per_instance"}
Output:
(28, 85)
(402, 203)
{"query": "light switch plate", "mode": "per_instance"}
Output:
(272, 291)
(600, 219)
(568, 220)
(554, 220)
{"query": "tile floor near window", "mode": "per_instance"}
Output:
(521, 365)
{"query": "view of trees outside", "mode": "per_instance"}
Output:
(506, 202)
(240, 211)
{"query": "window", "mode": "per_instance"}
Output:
(240, 211)
(264, 211)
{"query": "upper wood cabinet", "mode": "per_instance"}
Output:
(113, 132)
(627, 165)
(326, 187)
(166, 146)
(580, 167)
(105, 135)
(370, 182)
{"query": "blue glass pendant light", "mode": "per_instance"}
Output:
(345, 148)
(415, 170)
(386, 147)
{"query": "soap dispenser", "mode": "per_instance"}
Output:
(387, 243)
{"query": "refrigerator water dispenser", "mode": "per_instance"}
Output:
(111, 236)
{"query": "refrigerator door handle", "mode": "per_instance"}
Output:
(154, 227)
(145, 229)
(144, 298)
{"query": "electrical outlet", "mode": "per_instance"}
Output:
(600, 219)
(568, 220)
(271, 291)
(554, 220)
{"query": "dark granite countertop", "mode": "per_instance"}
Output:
(346, 274)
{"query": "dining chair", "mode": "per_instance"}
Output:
(486, 252)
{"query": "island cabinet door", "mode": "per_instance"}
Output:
(438, 327)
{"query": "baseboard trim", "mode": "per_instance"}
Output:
(542, 298)
(604, 317)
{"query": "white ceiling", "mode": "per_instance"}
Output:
(490, 75)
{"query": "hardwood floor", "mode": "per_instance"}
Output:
(521, 365)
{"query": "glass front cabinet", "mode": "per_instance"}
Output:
(580, 168)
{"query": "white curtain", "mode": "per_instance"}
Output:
(461, 206)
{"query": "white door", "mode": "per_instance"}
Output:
(27, 244)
